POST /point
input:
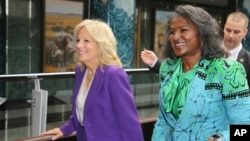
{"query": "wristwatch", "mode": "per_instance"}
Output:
(216, 137)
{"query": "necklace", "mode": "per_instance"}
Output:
(87, 81)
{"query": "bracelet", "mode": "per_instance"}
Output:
(216, 137)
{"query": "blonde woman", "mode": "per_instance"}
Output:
(103, 108)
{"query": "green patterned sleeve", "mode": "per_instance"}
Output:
(235, 93)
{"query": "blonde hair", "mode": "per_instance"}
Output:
(104, 36)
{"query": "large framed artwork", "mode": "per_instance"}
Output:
(61, 16)
(161, 17)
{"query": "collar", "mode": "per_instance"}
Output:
(234, 52)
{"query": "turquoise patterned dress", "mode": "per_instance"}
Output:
(201, 102)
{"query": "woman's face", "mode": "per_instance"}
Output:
(87, 47)
(184, 38)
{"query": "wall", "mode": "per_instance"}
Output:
(244, 6)
(25, 36)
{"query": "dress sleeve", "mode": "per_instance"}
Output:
(236, 96)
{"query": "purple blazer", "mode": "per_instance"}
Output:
(110, 112)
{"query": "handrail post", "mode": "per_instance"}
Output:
(39, 109)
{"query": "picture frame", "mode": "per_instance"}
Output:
(60, 18)
(161, 17)
(137, 36)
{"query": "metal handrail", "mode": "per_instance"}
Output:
(15, 77)
(39, 96)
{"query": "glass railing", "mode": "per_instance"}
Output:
(21, 106)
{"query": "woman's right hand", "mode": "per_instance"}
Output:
(148, 57)
(56, 132)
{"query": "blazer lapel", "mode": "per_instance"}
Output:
(193, 96)
(94, 90)
(78, 81)
(241, 57)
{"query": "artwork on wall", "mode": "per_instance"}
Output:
(161, 17)
(119, 14)
(60, 19)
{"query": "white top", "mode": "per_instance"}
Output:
(80, 100)
(234, 53)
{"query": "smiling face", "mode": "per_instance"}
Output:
(87, 48)
(184, 38)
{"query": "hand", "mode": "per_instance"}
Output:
(148, 57)
(56, 131)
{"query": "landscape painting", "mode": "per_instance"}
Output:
(59, 44)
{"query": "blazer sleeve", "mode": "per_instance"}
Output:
(156, 67)
(244, 59)
(124, 105)
(69, 127)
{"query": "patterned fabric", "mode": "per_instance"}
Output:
(175, 92)
(218, 96)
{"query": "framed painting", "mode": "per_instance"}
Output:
(61, 16)
(161, 17)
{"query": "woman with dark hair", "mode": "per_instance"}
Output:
(202, 92)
